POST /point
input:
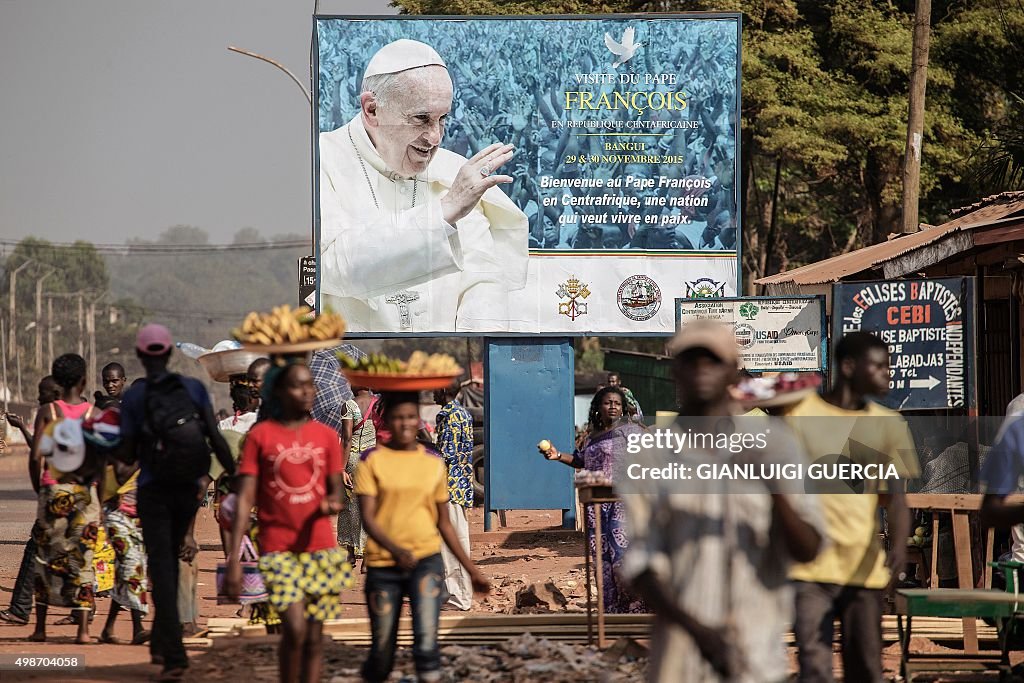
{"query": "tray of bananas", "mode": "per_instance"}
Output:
(290, 330)
(421, 372)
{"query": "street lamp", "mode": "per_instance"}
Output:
(39, 316)
(17, 360)
(13, 341)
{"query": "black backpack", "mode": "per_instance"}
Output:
(177, 449)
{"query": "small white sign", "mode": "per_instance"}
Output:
(773, 334)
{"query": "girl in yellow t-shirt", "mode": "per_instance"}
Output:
(403, 493)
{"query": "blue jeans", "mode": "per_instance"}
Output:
(386, 587)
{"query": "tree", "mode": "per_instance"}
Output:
(202, 293)
(983, 44)
(74, 269)
(824, 112)
(79, 267)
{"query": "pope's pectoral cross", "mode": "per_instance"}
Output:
(402, 299)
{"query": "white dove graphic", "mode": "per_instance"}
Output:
(625, 50)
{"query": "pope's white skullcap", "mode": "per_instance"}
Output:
(402, 55)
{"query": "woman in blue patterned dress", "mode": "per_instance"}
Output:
(604, 443)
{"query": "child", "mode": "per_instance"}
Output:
(403, 498)
(291, 468)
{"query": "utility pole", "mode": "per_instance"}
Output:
(17, 365)
(915, 116)
(49, 331)
(12, 342)
(90, 325)
(3, 353)
(39, 318)
(81, 328)
(51, 328)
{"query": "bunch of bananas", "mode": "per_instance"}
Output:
(419, 364)
(285, 325)
(434, 364)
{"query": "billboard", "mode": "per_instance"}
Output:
(555, 175)
(929, 327)
(774, 334)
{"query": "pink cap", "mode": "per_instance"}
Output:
(154, 340)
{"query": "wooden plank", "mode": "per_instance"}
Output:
(577, 636)
(523, 621)
(197, 642)
(1007, 233)
(920, 258)
(990, 542)
(953, 501)
(934, 581)
(961, 595)
(965, 573)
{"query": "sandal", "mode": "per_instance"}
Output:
(11, 618)
(69, 620)
(109, 639)
(141, 638)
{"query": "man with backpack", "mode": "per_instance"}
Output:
(167, 424)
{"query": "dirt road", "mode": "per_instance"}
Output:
(531, 549)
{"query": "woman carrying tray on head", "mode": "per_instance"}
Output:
(604, 444)
(292, 468)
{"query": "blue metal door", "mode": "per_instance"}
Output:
(529, 391)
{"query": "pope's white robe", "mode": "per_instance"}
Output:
(445, 279)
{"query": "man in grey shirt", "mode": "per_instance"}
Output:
(713, 563)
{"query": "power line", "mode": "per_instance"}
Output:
(197, 315)
(132, 249)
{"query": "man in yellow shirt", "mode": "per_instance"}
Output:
(846, 580)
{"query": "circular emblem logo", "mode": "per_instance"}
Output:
(744, 336)
(704, 288)
(639, 298)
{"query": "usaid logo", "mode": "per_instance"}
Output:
(744, 336)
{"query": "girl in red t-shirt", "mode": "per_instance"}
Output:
(291, 468)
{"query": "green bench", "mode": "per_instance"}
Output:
(1000, 606)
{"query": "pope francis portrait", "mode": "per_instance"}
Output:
(415, 238)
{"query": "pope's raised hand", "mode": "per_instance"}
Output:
(474, 178)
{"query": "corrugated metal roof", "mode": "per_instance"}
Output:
(995, 201)
(833, 269)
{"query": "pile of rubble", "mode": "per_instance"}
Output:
(525, 658)
(517, 596)
(520, 659)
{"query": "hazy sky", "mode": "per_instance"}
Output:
(122, 118)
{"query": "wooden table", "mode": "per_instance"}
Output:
(969, 604)
(595, 495)
(960, 506)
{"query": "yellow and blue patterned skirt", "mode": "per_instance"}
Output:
(315, 578)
